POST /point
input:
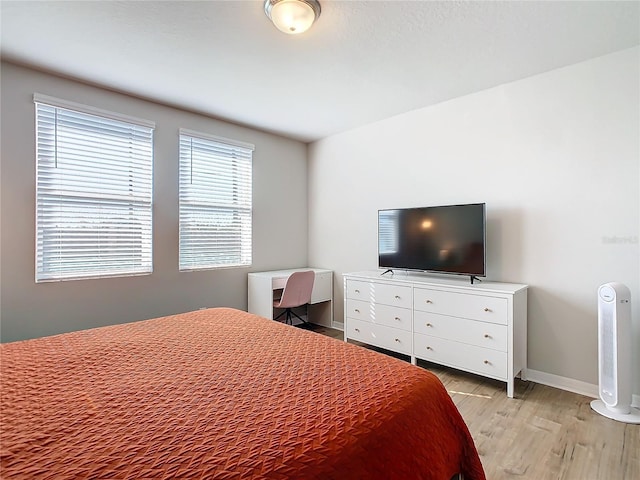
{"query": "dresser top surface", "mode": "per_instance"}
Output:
(463, 282)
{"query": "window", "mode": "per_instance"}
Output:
(215, 202)
(93, 192)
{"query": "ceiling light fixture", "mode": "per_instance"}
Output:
(292, 16)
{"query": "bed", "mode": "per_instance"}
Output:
(222, 394)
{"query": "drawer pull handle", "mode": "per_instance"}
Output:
(486, 335)
(357, 330)
(429, 301)
(357, 291)
(487, 309)
(398, 340)
(487, 362)
(429, 348)
(429, 325)
(356, 310)
(397, 318)
(397, 297)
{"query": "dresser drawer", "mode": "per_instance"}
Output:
(476, 307)
(395, 317)
(483, 361)
(379, 335)
(358, 309)
(358, 290)
(394, 295)
(473, 332)
(381, 293)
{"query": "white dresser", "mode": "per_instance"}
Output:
(479, 328)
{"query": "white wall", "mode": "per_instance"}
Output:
(556, 159)
(32, 310)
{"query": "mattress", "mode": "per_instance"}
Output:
(222, 394)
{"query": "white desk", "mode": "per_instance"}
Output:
(262, 286)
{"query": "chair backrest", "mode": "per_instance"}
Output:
(297, 290)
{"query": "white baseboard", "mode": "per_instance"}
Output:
(570, 385)
(563, 383)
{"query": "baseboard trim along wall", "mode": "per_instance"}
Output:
(563, 383)
(570, 385)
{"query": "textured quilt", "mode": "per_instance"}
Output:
(222, 394)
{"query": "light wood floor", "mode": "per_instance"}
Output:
(544, 433)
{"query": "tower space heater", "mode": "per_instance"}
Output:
(614, 354)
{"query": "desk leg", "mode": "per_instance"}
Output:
(260, 299)
(320, 313)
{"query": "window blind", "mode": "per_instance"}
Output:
(215, 202)
(93, 193)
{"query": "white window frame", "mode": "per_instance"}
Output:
(94, 191)
(215, 196)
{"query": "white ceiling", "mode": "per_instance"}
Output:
(361, 62)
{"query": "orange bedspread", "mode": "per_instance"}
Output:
(222, 394)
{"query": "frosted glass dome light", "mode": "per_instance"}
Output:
(292, 16)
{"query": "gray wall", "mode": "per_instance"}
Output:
(556, 159)
(32, 310)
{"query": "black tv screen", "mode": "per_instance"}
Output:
(444, 239)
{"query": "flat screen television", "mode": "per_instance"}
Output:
(442, 239)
